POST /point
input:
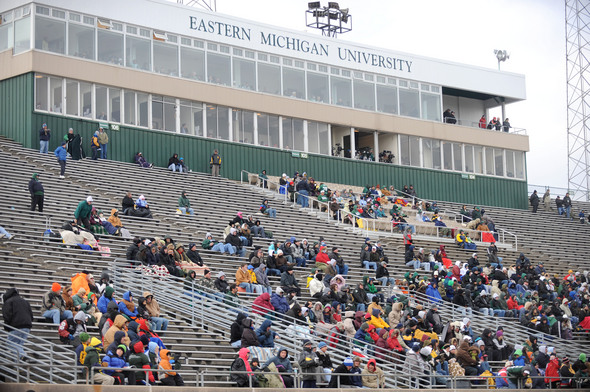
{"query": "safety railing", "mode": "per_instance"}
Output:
(475, 124)
(194, 306)
(514, 332)
(44, 353)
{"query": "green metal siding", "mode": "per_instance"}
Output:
(17, 115)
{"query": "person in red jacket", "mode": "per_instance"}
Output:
(322, 257)
(482, 122)
(552, 371)
(262, 305)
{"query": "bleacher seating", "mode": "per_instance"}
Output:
(31, 262)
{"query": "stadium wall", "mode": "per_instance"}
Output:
(21, 123)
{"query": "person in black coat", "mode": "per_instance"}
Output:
(534, 200)
(193, 254)
(133, 249)
(18, 319)
(248, 335)
(127, 204)
(37, 192)
(236, 330)
(341, 373)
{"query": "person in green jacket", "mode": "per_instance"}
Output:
(83, 211)
(263, 179)
(139, 360)
(91, 360)
(184, 204)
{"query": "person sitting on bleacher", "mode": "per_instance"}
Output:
(464, 241)
(141, 161)
(126, 305)
(184, 204)
(71, 328)
(279, 302)
(262, 278)
(141, 208)
(158, 323)
(53, 305)
(289, 282)
(83, 212)
(235, 242)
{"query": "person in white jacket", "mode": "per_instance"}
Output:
(316, 286)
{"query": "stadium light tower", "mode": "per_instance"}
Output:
(210, 5)
(332, 20)
(501, 55)
(577, 51)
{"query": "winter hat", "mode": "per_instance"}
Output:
(306, 342)
(467, 338)
(239, 214)
(565, 359)
(304, 309)
(452, 347)
(426, 351)
(322, 344)
(466, 320)
(416, 347)
(208, 235)
(220, 274)
(279, 290)
(84, 337)
(347, 361)
(123, 347)
(89, 199)
(233, 230)
(499, 333)
(582, 357)
(55, 287)
(206, 272)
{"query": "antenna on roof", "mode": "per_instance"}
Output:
(210, 5)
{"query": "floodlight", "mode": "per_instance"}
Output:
(319, 13)
(333, 15)
(313, 4)
(334, 5)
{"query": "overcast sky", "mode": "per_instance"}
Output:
(465, 31)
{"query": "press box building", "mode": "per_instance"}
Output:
(167, 78)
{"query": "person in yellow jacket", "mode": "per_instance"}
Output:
(169, 377)
(95, 146)
(376, 320)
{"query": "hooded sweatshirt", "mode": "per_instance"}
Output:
(278, 361)
(107, 297)
(126, 306)
(165, 364)
(16, 310)
(118, 325)
(373, 379)
(266, 338)
(153, 307)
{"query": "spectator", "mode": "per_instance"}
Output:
(139, 360)
(92, 360)
(61, 154)
(308, 363)
(141, 161)
(142, 208)
(547, 200)
(106, 299)
(506, 125)
(534, 200)
(248, 335)
(279, 302)
(567, 205)
(153, 308)
(325, 361)
(316, 286)
(175, 164)
(103, 140)
(235, 242)
(263, 179)
(184, 204)
(241, 372)
(265, 335)
(53, 305)
(283, 365)
(382, 275)
(37, 192)
(95, 146)
(70, 329)
(169, 377)
(18, 321)
(5, 234)
(215, 163)
(266, 210)
(244, 279)
(83, 212)
(289, 282)
(341, 266)
(482, 121)
(262, 278)
(44, 136)
(126, 305)
(341, 376)
(127, 204)
(373, 377)
(210, 244)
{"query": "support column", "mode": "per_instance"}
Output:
(352, 143)
(376, 145)
(503, 110)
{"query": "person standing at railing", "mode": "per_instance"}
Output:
(263, 179)
(482, 121)
(506, 125)
(302, 188)
(547, 200)
(18, 321)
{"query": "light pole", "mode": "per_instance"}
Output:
(501, 55)
(332, 20)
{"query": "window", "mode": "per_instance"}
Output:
(510, 164)
(191, 118)
(519, 164)
(386, 99)
(163, 113)
(192, 64)
(6, 36)
(138, 53)
(293, 83)
(22, 35)
(447, 156)
(478, 156)
(313, 142)
(499, 161)
(129, 100)
(298, 135)
(404, 148)
(364, 95)
(114, 104)
(50, 35)
(268, 130)
(431, 153)
(468, 159)
(287, 133)
(431, 107)
(489, 160)
(165, 58)
(217, 122)
(269, 78)
(341, 91)
(101, 103)
(218, 69)
(317, 87)
(86, 99)
(409, 103)
(41, 92)
(55, 95)
(142, 109)
(244, 74)
(72, 97)
(81, 41)
(110, 47)
(211, 122)
(457, 157)
(243, 126)
(415, 151)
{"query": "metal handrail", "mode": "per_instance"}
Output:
(195, 307)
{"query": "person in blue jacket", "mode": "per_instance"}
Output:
(62, 154)
(127, 307)
(265, 335)
(279, 301)
(103, 301)
(118, 360)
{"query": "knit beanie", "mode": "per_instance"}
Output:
(84, 337)
(56, 287)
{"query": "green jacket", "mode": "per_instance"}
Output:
(78, 301)
(138, 361)
(231, 299)
(92, 358)
(207, 242)
(184, 202)
(84, 210)
(103, 138)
